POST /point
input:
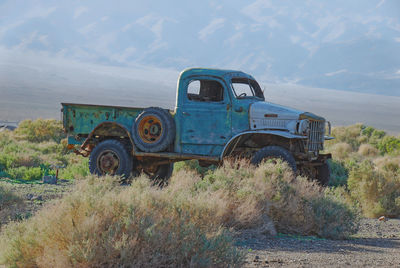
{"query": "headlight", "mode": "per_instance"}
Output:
(304, 127)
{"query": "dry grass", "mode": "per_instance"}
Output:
(9, 205)
(103, 224)
(185, 224)
(341, 150)
(368, 150)
(246, 197)
(377, 190)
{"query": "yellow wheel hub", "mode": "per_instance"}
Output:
(150, 129)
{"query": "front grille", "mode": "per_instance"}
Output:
(316, 136)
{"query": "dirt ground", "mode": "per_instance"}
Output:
(377, 244)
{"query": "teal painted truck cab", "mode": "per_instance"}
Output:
(218, 113)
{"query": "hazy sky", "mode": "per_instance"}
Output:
(346, 45)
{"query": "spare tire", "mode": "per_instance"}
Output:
(153, 130)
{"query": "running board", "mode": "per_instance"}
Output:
(177, 156)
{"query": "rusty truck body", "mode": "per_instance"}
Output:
(218, 114)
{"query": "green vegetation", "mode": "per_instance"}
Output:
(367, 163)
(37, 148)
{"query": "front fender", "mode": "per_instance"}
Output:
(280, 133)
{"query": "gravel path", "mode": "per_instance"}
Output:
(377, 244)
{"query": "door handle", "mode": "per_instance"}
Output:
(185, 113)
(239, 110)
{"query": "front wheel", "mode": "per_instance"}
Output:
(274, 152)
(323, 174)
(110, 157)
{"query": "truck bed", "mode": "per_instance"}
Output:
(81, 119)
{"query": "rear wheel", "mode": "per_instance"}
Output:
(274, 152)
(110, 157)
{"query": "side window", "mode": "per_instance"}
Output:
(205, 90)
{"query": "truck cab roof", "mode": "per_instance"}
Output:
(213, 72)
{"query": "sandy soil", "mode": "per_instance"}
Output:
(377, 244)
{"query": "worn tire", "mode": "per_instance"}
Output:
(323, 174)
(153, 130)
(110, 157)
(273, 151)
(162, 174)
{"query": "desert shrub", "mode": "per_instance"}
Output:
(28, 173)
(341, 150)
(25, 173)
(367, 150)
(7, 198)
(103, 224)
(40, 130)
(339, 173)
(250, 198)
(377, 191)
(333, 217)
(23, 159)
(192, 165)
(9, 203)
(389, 145)
(388, 163)
(75, 169)
(347, 134)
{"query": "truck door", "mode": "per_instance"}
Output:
(206, 116)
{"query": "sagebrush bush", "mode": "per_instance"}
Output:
(246, 197)
(339, 173)
(349, 134)
(377, 191)
(9, 204)
(194, 166)
(389, 145)
(40, 130)
(103, 224)
(341, 150)
(28, 160)
(75, 169)
(368, 150)
(184, 224)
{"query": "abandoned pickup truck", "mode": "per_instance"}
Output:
(218, 114)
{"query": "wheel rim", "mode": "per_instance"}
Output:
(150, 129)
(108, 162)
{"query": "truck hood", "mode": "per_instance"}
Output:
(266, 115)
(269, 110)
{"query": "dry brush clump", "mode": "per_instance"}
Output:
(366, 161)
(104, 224)
(376, 189)
(269, 198)
(9, 204)
(184, 224)
(24, 157)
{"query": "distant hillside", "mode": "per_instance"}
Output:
(29, 91)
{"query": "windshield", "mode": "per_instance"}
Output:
(246, 88)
